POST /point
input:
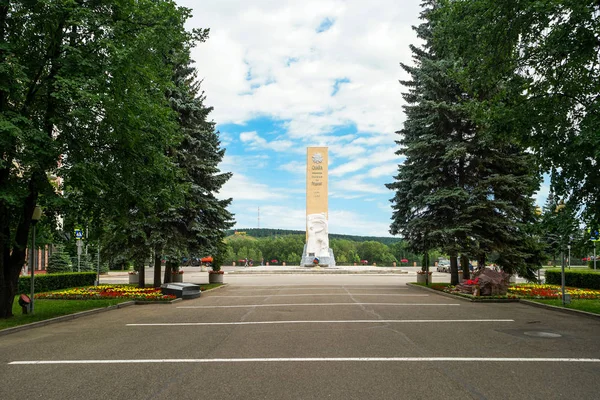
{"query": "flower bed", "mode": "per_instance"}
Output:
(527, 291)
(107, 292)
(533, 291)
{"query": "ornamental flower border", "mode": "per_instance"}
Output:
(527, 291)
(107, 292)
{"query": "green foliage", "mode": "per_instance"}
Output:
(293, 259)
(59, 261)
(547, 65)
(466, 183)
(590, 265)
(82, 96)
(219, 256)
(574, 278)
(289, 249)
(273, 233)
(48, 282)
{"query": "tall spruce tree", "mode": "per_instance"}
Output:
(81, 96)
(553, 47)
(465, 185)
(197, 226)
(428, 192)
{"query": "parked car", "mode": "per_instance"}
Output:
(443, 266)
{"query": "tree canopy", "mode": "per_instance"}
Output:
(84, 96)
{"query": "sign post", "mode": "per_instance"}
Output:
(594, 237)
(79, 238)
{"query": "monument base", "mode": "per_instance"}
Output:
(324, 261)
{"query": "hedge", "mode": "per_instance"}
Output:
(580, 279)
(48, 282)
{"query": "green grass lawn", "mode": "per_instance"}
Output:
(47, 309)
(592, 306)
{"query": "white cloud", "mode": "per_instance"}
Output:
(254, 141)
(342, 221)
(240, 188)
(259, 38)
(383, 170)
(295, 167)
(279, 60)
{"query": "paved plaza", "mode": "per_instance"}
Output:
(308, 336)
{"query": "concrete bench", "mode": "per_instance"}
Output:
(181, 290)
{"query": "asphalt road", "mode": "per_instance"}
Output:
(308, 337)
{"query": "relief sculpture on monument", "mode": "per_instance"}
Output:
(318, 235)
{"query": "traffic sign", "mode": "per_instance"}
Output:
(78, 234)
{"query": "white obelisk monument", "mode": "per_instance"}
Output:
(316, 250)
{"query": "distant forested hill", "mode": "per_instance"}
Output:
(264, 232)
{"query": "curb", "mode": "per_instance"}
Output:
(523, 301)
(62, 318)
(310, 272)
(68, 317)
(215, 288)
(466, 298)
(560, 309)
(438, 292)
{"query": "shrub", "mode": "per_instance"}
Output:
(48, 282)
(590, 264)
(578, 279)
(59, 261)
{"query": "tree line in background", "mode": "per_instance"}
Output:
(499, 94)
(103, 123)
(270, 232)
(289, 248)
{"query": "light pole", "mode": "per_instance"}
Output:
(37, 214)
(569, 259)
(559, 207)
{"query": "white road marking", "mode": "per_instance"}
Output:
(326, 294)
(360, 321)
(322, 304)
(310, 359)
(292, 286)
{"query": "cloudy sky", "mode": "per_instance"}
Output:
(283, 75)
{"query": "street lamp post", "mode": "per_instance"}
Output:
(569, 259)
(559, 207)
(37, 214)
(562, 276)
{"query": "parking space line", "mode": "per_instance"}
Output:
(361, 321)
(326, 305)
(326, 294)
(314, 287)
(309, 359)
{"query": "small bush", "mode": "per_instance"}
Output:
(48, 282)
(590, 264)
(578, 279)
(59, 261)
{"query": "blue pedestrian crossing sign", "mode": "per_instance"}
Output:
(78, 234)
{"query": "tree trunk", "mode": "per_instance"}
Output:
(157, 268)
(464, 263)
(168, 270)
(8, 289)
(481, 261)
(142, 274)
(12, 258)
(453, 270)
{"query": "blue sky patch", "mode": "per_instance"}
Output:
(337, 84)
(325, 25)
